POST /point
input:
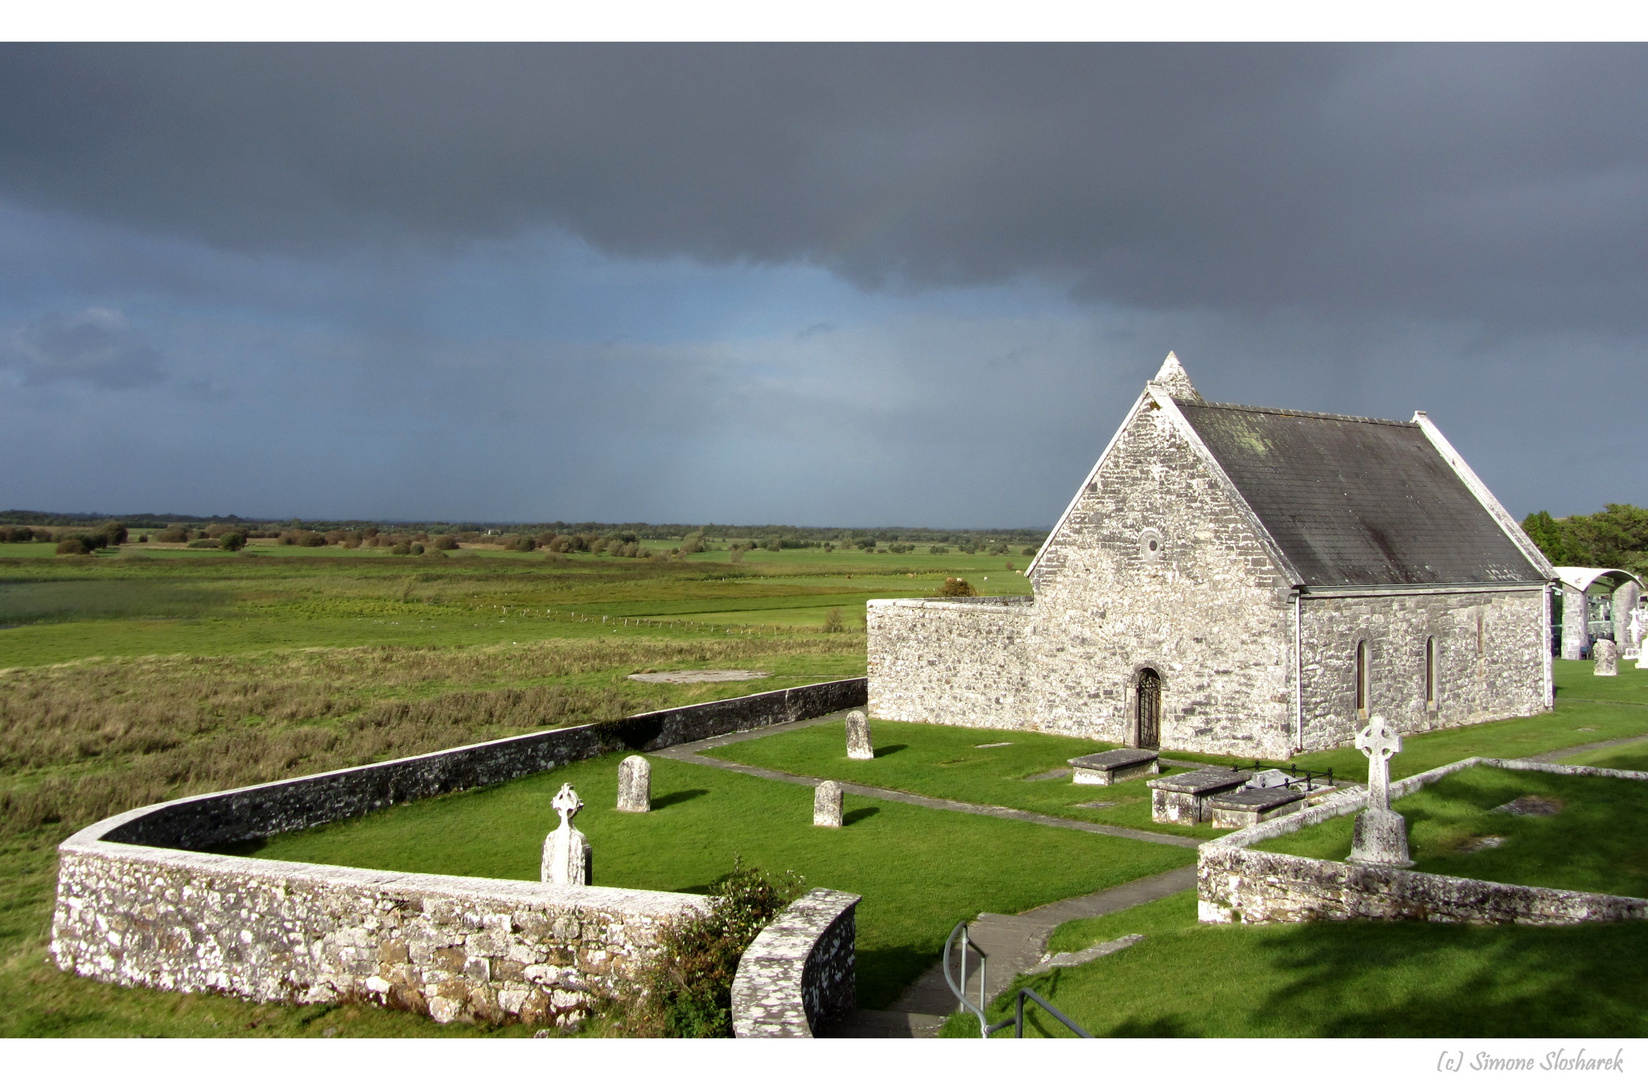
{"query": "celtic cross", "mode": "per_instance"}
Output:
(567, 804)
(1379, 740)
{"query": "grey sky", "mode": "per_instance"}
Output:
(823, 284)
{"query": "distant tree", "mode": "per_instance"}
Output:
(232, 540)
(172, 534)
(938, 549)
(955, 586)
(446, 542)
(73, 545)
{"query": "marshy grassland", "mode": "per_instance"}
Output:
(148, 672)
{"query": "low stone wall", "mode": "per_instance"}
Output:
(1238, 884)
(954, 661)
(799, 971)
(139, 903)
(452, 948)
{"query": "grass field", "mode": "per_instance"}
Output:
(919, 871)
(152, 672)
(1340, 980)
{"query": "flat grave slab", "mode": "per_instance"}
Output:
(1114, 766)
(1246, 806)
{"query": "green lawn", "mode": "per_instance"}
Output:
(919, 871)
(960, 763)
(1581, 847)
(1340, 980)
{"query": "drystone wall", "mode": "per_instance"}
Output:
(1238, 884)
(799, 972)
(1489, 660)
(140, 903)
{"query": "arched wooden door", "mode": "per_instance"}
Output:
(1147, 705)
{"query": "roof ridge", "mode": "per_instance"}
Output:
(1295, 412)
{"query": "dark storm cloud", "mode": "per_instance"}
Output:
(95, 346)
(1508, 184)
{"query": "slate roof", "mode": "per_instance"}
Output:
(1352, 501)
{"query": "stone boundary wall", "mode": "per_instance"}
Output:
(958, 660)
(799, 971)
(1237, 884)
(140, 904)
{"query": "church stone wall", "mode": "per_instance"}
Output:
(950, 663)
(1206, 610)
(1489, 660)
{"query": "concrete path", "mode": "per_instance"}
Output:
(1571, 751)
(1014, 943)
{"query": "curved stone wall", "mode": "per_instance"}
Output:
(799, 971)
(141, 903)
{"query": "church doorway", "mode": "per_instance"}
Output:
(1147, 706)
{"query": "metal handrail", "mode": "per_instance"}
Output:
(987, 1029)
(1018, 1015)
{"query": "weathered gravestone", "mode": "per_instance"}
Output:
(1380, 835)
(859, 747)
(827, 805)
(1606, 655)
(566, 850)
(635, 785)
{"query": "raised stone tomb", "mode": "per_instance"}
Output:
(1182, 799)
(1244, 806)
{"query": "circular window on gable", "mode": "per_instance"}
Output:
(1150, 545)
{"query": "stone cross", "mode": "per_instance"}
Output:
(566, 858)
(1606, 655)
(827, 804)
(635, 785)
(859, 747)
(1379, 740)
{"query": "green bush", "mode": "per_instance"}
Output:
(73, 545)
(232, 541)
(172, 534)
(954, 586)
(833, 623)
(938, 549)
(402, 548)
(203, 542)
(417, 549)
(446, 542)
(688, 989)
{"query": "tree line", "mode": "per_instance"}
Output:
(1616, 538)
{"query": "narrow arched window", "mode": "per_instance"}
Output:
(1362, 678)
(1430, 672)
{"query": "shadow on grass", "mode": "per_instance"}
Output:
(853, 817)
(887, 751)
(1421, 980)
(674, 797)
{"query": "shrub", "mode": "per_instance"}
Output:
(446, 542)
(402, 548)
(833, 623)
(336, 536)
(417, 549)
(737, 555)
(687, 991)
(74, 545)
(113, 533)
(901, 549)
(954, 586)
(1028, 552)
(938, 549)
(998, 549)
(519, 543)
(172, 534)
(203, 542)
(232, 541)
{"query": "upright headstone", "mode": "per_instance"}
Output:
(1380, 835)
(566, 850)
(1606, 655)
(827, 805)
(635, 785)
(859, 747)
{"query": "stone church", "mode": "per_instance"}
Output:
(1247, 581)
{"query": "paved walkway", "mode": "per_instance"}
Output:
(1013, 943)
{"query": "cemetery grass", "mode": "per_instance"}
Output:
(1582, 847)
(920, 871)
(959, 763)
(1338, 980)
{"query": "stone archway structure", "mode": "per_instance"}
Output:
(1579, 583)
